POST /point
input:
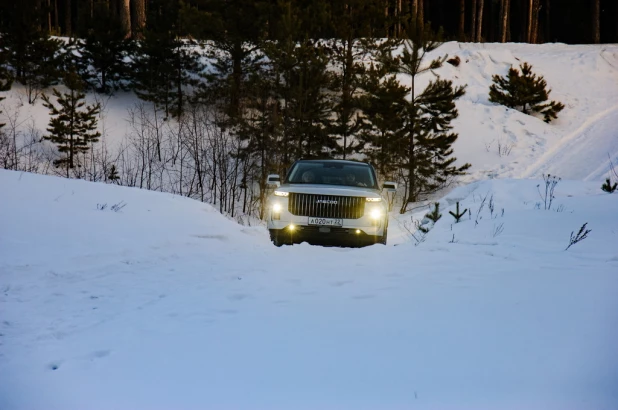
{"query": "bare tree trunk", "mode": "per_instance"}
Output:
(67, 18)
(125, 17)
(547, 21)
(479, 26)
(49, 18)
(138, 17)
(113, 7)
(533, 17)
(386, 33)
(398, 8)
(473, 28)
(462, 20)
(420, 18)
(56, 22)
(504, 13)
(596, 21)
(535, 22)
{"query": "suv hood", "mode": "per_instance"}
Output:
(322, 189)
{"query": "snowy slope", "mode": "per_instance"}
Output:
(576, 146)
(166, 304)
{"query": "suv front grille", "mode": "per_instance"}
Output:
(326, 206)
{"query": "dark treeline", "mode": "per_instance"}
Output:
(533, 21)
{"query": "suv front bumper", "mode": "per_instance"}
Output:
(366, 225)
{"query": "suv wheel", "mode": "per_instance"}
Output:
(277, 238)
(382, 239)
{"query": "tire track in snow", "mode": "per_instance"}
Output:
(575, 157)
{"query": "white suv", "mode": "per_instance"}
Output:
(328, 201)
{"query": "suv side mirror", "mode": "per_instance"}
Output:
(273, 179)
(390, 186)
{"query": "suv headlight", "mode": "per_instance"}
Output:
(375, 214)
(281, 193)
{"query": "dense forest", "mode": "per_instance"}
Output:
(532, 21)
(230, 91)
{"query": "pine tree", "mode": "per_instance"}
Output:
(435, 214)
(383, 105)
(42, 69)
(427, 154)
(260, 131)
(73, 124)
(236, 28)
(458, 215)
(164, 63)
(281, 54)
(345, 84)
(608, 187)
(525, 92)
(302, 80)
(103, 50)
(33, 57)
(309, 106)
(113, 174)
(347, 51)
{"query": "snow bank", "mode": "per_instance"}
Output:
(166, 304)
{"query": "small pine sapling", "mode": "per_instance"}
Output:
(608, 187)
(525, 91)
(581, 235)
(435, 215)
(113, 174)
(423, 229)
(457, 215)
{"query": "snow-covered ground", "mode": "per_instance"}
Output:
(120, 298)
(166, 304)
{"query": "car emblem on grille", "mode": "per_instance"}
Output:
(326, 201)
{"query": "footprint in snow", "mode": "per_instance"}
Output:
(340, 283)
(227, 311)
(364, 296)
(99, 354)
(218, 237)
(238, 296)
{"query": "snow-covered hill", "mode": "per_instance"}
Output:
(501, 142)
(166, 304)
(115, 297)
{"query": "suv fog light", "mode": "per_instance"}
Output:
(291, 227)
(358, 231)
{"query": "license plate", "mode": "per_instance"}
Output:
(325, 221)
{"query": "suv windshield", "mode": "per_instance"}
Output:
(332, 173)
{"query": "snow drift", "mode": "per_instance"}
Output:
(166, 304)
